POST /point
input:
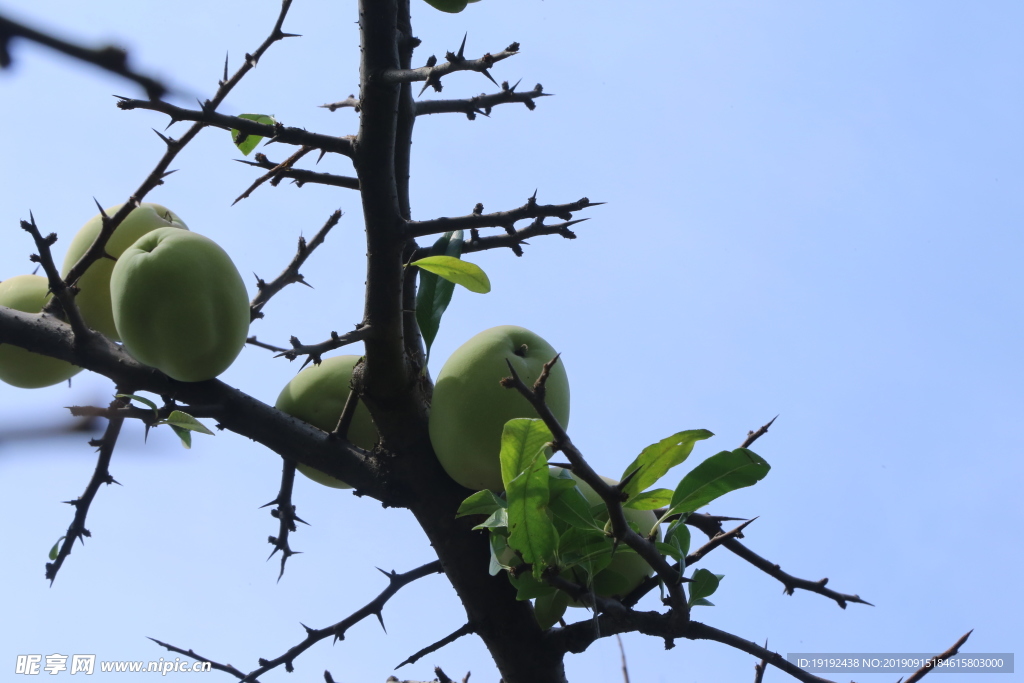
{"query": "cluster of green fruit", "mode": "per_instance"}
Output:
(469, 411)
(171, 296)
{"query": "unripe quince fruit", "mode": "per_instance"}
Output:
(93, 299)
(627, 569)
(179, 304)
(451, 6)
(470, 407)
(317, 395)
(18, 367)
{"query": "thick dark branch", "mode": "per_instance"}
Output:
(101, 475)
(291, 274)
(233, 409)
(501, 219)
(98, 248)
(712, 528)
(463, 630)
(375, 607)
(302, 176)
(315, 351)
(481, 104)
(109, 57)
(285, 513)
(273, 132)
(432, 73)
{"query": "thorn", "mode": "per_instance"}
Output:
(513, 88)
(380, 618)
(462, 47)
(485, 73)
(323, 152)
(225, 68)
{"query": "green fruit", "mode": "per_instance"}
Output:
(627, 569)
(470, 407)
(94, 298)
(179, 304)
(317, 395)
(18, 367)
(452, 6)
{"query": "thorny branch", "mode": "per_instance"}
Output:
(98, 248)
(285, 513)
(463, 630)
(276, 174)
(375, 607)
(500, 219)
(101, 475)
(433, 72)
(302, 176)
(290, 274)
(483, 103)
(315, 351)
(108, 57)
(207, 116)
(611, 495)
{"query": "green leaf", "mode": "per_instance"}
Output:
(585, 549)
(678, 536)
(140, 399)
(571, 506)
(499, 545)
(247, 143)
(671, 550)
(184, 434)
(186, 421)
(481, 503)
(497, 520)
(528, 587)
(704, 583)
(716, 476)
(521, 438)
(531, 531)
(469, 275)
(435, 293)
(701, 601)
(549, 609)
(55, 550)
(650, 500)
(657, 459)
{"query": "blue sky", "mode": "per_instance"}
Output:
(813, 210)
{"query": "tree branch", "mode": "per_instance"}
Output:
(302, 176)
(501, 219)
(101, 475)
(285, 513)
(432, 73)
(482, 104)
(463, 630)
(290, 274)
(375, 607)
(108, 57)
(277, 132)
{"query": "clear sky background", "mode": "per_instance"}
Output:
(814, 210)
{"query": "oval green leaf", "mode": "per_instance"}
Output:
(469, 275)
(716, 476)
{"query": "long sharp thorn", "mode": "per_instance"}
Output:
(462, 47)
(484, 72)
(380, 618)
(225, 68)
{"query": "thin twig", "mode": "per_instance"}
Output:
(275, 173)
(500, 219)
(374, 607)
(290, 274)
(463, 630)
(432, 73)
(934, 661)
(315, 351)
(101, 475)
(285, 513)
(302, 176)
(483, 103)
(754, 436)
